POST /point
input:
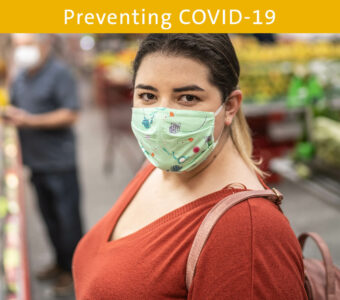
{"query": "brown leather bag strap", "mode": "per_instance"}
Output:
(327, 260)
(213, 216)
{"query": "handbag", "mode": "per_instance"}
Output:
(322, 278)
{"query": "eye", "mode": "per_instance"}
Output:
(189, 98)
(147, 96)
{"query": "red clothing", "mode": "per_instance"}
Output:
(252, 253)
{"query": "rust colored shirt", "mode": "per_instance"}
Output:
(252, 253)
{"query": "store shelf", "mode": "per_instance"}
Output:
(278, 107)
(322, 183)
(13, 255)
(255, 109)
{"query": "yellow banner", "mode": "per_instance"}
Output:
(99, 16)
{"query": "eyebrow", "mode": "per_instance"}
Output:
(192, 87)
(186, 88)
(146, 87)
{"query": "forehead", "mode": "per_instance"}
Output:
(159, 68)
(23, 39)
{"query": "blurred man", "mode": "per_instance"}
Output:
(44, 106)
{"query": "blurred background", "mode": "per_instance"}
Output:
(291, 86)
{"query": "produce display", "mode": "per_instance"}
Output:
(296, 74)
(12, 243)
(3, 98)
(270, 71)
(112, 77)
(117, 66)
(326, 139)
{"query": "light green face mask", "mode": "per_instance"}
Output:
(174, 140)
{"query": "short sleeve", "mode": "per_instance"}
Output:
(252, 253)
(66, 90)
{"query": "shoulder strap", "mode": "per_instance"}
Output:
(213, 216)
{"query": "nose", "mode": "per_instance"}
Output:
(165, 101)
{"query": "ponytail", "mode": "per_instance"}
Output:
(240, 135)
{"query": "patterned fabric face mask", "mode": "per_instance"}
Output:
(174, 140)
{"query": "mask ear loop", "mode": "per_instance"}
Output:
(219, 109)
(216, 113)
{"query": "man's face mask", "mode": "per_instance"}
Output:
(174, 140)
(27, 57)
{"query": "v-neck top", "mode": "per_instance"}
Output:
(252, 253)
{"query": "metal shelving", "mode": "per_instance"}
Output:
(322, 182)
(255, 109)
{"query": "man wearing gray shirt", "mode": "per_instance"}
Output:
(44, 107)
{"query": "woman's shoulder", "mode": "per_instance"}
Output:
(250, 249)
(255, 232)
(258, 218)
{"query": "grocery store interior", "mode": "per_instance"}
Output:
(291, 87)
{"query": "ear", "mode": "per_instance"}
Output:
(232, 106)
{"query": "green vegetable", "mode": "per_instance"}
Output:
(326, 137)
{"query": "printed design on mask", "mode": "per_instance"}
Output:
(174, 128)
(181, 142)
(200, 127)
(144, 150)
(208, 140)
(147, 122)
(197, 157)
(147, 152)
(175, 168)
(179, 160)
(196, 149)
(174, 140)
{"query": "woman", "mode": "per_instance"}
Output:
(188, 121)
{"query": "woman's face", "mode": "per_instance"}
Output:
(177, 82)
